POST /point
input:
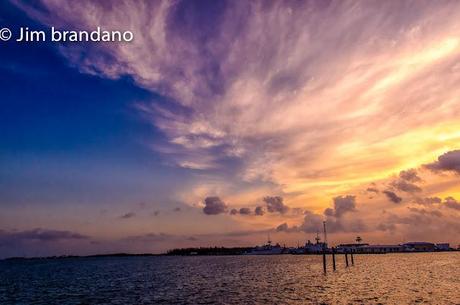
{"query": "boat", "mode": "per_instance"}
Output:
(267, 249)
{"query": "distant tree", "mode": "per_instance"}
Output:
(359, 239)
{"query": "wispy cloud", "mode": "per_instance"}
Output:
(263, 84)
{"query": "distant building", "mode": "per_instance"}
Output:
(419, 246)
(358, 248)
(443, 247)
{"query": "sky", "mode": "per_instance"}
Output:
(224, 121)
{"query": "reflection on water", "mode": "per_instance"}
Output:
(427, 278)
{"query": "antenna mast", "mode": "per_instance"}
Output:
(325, 233)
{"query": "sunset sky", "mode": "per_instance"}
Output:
(222, 122)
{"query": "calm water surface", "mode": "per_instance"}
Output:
(425, 278)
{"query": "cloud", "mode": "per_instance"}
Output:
(267, 92)
(312, 222)
(426, 212)
(410, 175)
(127, 215)
(40, 235)
(342, 205)
(428, 200)
(420, 224)
(405, 186)
(245, 211)
(178, 209)
(276, 205)
(282, 227)
(372, 190)
(214, 206)
(449, 161)
(150, 237)
(241, 211)
(393, 197)
(418, 220)
(391, 227)
(259, 211)
(451, 203)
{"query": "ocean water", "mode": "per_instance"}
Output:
(424, 278)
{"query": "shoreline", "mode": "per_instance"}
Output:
(115, 255)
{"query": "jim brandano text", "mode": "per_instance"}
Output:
(27, 35)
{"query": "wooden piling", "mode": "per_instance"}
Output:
(346, 259)
(333, 259)
(324, 261)
(352, 260)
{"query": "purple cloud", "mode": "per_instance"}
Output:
(276, 205)
(372, 190)
(405, 186)
(392, 196)
(450, 161)
(245, 211)
(452, 203)
(342, 205)
(428, 200)
(127, 215)
(259, 211)
(410, 175)
(214, 206)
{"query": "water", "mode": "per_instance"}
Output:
(425, 278)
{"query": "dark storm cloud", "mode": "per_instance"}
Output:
(428, 200)
(392, 196)
(451, 203)
(127, 215)
(41, 235)
(259, 211)
(450, 161)
(410, 175)
(214, 206)
(275, 205)
(342, 205)
(405, 186)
